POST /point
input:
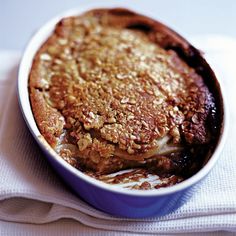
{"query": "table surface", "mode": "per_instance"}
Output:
(20, 19)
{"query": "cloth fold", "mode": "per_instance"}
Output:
(32, 193)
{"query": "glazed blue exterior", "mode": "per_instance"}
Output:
(119, 204)
(113, 202)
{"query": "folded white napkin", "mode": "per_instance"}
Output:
(33, 196)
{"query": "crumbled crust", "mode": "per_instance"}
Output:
(108, 84)
(51, 128)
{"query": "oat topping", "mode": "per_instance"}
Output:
(123, 98)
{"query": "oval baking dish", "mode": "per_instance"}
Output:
(121, 201)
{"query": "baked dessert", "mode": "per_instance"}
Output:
(112, 90)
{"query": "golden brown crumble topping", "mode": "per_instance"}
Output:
(121, 99)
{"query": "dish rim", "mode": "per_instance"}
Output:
(23, 96)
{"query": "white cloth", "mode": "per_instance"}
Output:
(34, 199)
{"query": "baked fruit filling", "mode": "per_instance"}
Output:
(108, 96)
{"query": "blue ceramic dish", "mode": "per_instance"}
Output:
(116, 201)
